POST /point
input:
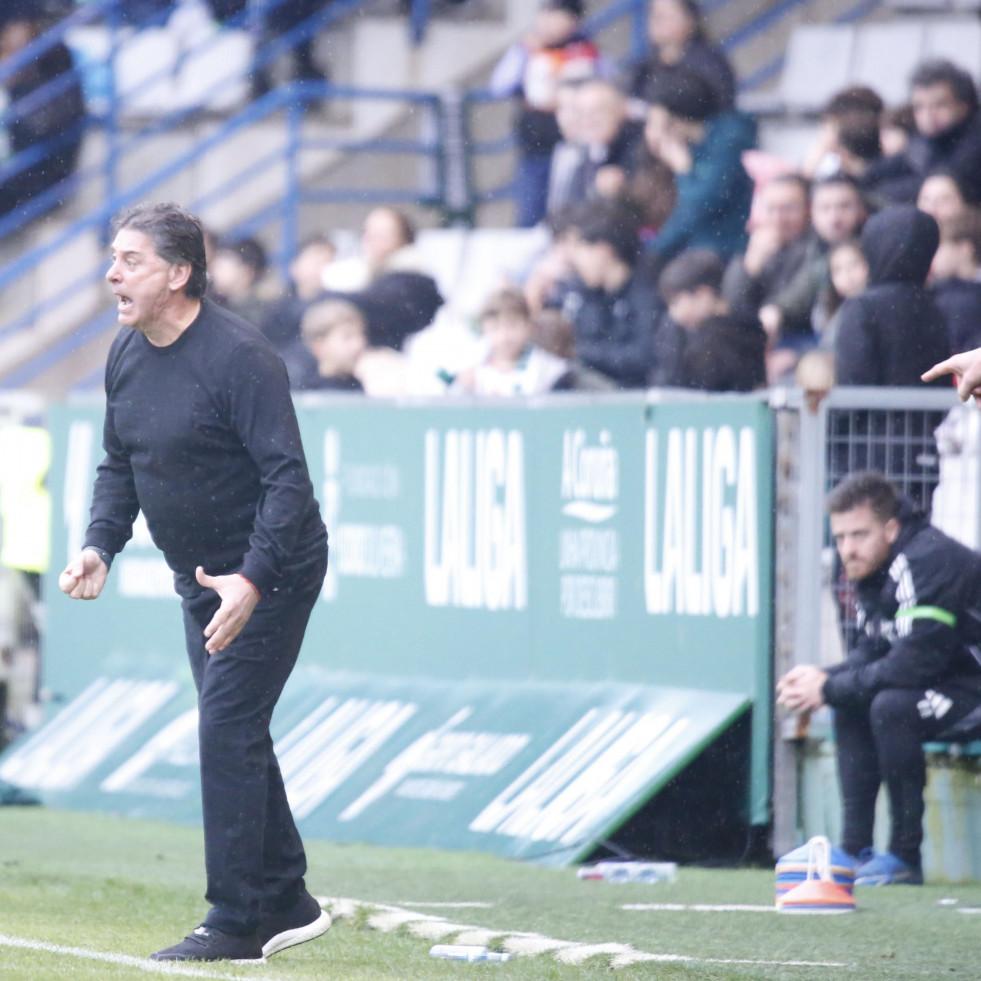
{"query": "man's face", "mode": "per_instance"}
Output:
(784, 208)
(308, 267)
(381, 237)
(142, 282)
(863, 540)
(592, 261)
(837, 212)
(941, 197)
(936, 109)
(601, 113)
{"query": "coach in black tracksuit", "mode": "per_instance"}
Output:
(200, 434)
(913, 675)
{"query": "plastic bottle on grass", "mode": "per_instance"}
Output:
(648, 872)
(467, 952)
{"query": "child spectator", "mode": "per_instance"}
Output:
(954, 279)
(679, 43)
(893, 331)
(703, 148)
(335, 333)
(942, 196)
(719, 351)
(514, 364)
(613, 306)
(532, 69)
(849, 274)
(236, 273)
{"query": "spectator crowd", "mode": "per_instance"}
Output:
(676, 252)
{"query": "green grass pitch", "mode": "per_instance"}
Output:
(84, 896)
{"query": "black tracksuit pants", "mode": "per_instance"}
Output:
(254, 857)
(883, 741)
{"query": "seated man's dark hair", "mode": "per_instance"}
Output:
(865, 487)
(684, 94)
(940, 71)
(859, 134)
(855, 98)
(690, 271)
(612, 223)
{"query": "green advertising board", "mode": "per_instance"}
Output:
(509, 584)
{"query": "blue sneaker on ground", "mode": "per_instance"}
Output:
(887, 870)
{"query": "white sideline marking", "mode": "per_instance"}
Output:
(698, 908)
(461, 905)
(151, 967)
(386, 917)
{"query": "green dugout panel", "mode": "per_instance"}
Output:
(534, 617)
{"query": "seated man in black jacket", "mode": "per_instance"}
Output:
(612, 304)
(912, 676)
(712, 348)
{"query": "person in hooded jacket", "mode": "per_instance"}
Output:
(887, 336)
(912, 676)
(893, 331)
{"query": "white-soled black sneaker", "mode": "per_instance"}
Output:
(208, 944)
(302, 922)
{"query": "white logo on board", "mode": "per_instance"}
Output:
(476, 553)
(701, 533)
(589, 556)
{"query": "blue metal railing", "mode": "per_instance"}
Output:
(109, 13)
(286, 102)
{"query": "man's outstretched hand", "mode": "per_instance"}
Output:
(966, 367)
(84, 576)
(238, 600)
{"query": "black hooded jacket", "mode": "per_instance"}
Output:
(919, 617)
(960, 302)
(893, 331)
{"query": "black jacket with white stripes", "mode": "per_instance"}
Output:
(919, 617)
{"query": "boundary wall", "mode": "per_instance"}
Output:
(536, 614)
